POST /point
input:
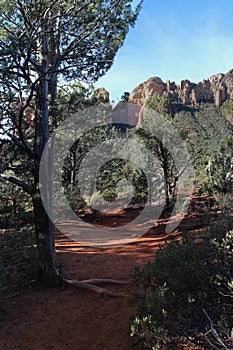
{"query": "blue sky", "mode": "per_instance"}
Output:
(174, 40)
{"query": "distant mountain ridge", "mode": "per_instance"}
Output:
(215, 89)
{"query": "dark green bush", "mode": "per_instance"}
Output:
(109, 196)
(17, 259)
(183, 280)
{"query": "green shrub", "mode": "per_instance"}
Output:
(95, 199)
(74, 198)
(17, 259)
(109, 196)
(100, 197)
(178, 285)
(220, 335)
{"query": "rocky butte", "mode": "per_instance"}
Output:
(216, 89)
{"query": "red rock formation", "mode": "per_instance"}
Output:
(103, 94)
(146, 90)
(215, 89)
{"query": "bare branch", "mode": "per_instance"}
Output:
(227, 295)
(220, 344)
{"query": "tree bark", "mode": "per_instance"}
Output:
(47, 270)
(43, 224)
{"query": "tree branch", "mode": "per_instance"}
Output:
(17, 182)
(76, 42)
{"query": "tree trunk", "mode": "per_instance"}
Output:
(166, 184)
(47, 270)
(167, 199)
(43, 224)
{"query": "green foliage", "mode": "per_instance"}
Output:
(153, 336)
(102, 27)
(74, 197)
(75, 96)
(219, 333)
(159, 146)
(227, 109)
(17, 259)
(160, 104)
(15, 206)
(226, 245)
(96, 198)
(45, 34)
(99, 197)
(105, 177)
(121, 175)
(116, 177)
(220, 168)
(110, 174)
(109, 196)
(184, 279)
(125, 97)
(225, 202)
(44, 43)
(208, 137)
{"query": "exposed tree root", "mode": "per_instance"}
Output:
(104, 281)
(91, 285)
(9, 296)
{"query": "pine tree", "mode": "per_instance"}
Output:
(41, 42)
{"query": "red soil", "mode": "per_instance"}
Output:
(73, 319)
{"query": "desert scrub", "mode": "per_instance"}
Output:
(179, 288)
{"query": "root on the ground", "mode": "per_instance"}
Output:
(91, 285)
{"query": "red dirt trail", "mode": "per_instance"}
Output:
(72, 319)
